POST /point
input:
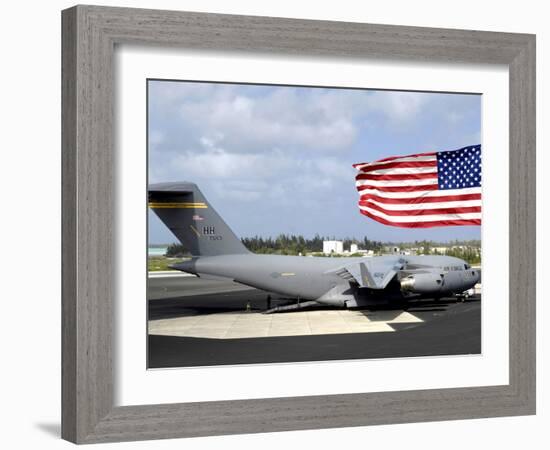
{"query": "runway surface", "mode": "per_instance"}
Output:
(197, 322)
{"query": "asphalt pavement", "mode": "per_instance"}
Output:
(426, 328)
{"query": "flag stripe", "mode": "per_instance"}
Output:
(432, 162)
(398, 176)
(413, 194)
(427, 205)
(420, 199)
(435, 223)
(396, 183)
(421, 188)
(392, 159)
(421, 212)
(399, 170)
(426, 218)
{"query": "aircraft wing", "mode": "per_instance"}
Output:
(370, 273)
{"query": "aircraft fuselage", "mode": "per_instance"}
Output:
(314, 278)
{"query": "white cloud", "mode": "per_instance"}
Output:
(218, 163)
(274, 159)
(256, 119)
(273, 175)
(281, 119)
(293, 135)
(399, 106)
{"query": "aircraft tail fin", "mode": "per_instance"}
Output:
(185, 211)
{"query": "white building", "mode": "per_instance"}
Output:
(353, 248)
(333, 247)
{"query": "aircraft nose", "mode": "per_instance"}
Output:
(478, 273)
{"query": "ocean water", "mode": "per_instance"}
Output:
(156, 251)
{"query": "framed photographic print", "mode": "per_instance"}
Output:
(278, 160)
(302, 209)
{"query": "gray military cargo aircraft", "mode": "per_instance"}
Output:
(350, 282)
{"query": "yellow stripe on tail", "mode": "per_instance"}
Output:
(166, 205)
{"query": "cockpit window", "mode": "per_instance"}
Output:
(466, 266)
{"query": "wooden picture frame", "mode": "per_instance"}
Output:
(89, 37)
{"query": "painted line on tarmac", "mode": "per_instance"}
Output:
(169, 274)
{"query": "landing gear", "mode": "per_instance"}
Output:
(465, 295)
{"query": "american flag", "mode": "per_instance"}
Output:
(422, 190)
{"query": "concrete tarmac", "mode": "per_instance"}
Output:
(200, 322)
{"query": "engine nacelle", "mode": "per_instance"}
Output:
(422, 283)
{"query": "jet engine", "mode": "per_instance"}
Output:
(422, 283)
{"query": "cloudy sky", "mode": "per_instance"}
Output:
(278, 159)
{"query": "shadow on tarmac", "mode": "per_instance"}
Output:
(448, 327)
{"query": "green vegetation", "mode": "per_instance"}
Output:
(159, 263)
(471, 255)
(176, 251)
(337, 255)
(286, 244)
(469, 251)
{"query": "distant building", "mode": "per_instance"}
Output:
(406, 252)
(392, 249)
(353, 248)
(333, 247)
(400, 251)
